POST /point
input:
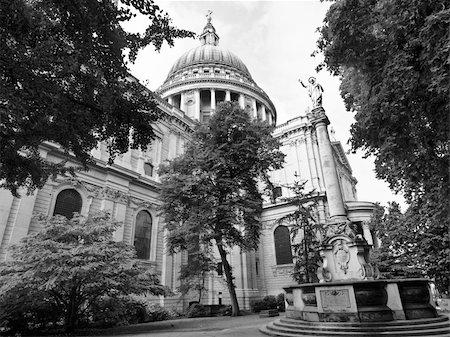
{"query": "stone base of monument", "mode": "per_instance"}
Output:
(361, 308)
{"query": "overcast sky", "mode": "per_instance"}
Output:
(275, 39)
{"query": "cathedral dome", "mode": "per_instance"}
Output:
(209, 54)
(207, 75)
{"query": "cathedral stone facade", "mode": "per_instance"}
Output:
(129, 188)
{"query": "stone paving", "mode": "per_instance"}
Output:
(246, 326)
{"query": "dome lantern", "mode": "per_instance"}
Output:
(209, 35)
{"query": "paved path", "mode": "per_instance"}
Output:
(245, 326)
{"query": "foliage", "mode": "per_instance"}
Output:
(392, 57)
(23, 311)
(155, 312)
(110, 311)
(306, 232)
(405, 246)
(67, 267)
(193, 275)
(281, 304)
(268, 302)
(197, 310)
(64, 79)
(211, 193)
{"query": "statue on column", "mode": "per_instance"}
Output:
(315, 91)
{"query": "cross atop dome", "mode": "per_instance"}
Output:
(209, 35)
(208, 15)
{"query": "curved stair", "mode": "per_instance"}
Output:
(288, 327)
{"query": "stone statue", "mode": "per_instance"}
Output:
(315, 91)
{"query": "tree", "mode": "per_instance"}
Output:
(64, 79)
(303, 221)
(392, 57)
(193, 275)
(406, 246)
(67, 267)
(211, 194)
(396, 257)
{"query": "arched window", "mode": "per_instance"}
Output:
(143, 235)
(283, 251)
(67, 202)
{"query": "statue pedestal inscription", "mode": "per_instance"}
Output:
(335, 300)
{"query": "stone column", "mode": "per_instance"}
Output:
(255, 112)
(197, 104)
(242, 101)
(182, 102)
(213, 101)
(170, 100)
(263, 112)
(269, 117)
(227, 95)
(333, 189)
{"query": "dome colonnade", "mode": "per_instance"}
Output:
(207, 75)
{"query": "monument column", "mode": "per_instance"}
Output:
(227, 96)
(334, 195)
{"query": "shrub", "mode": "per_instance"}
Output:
(281, 304)
(25, 310)
(197, 310)
(155, 312)
(268, 302)
(113, 311)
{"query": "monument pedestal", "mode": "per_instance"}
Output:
(360, 301)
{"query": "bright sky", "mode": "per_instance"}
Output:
(275, 39)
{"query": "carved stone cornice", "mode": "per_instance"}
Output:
(283, 270)
(135, 203)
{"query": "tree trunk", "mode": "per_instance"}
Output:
(71, 314)
(228, 274)
(305, 241)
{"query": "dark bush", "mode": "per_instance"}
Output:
(155, 312)
(197, 310)
(109, 311)
(281, 304)
(23, 311)
(268, 302)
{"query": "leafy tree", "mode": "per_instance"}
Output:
(396, 257)
(392, 57)
(64, 79)
(66, 268)
(211, 195)
(406, 246)
(303, 221)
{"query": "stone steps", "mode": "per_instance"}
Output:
(437, 327)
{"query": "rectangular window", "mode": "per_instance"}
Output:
(148, 169)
